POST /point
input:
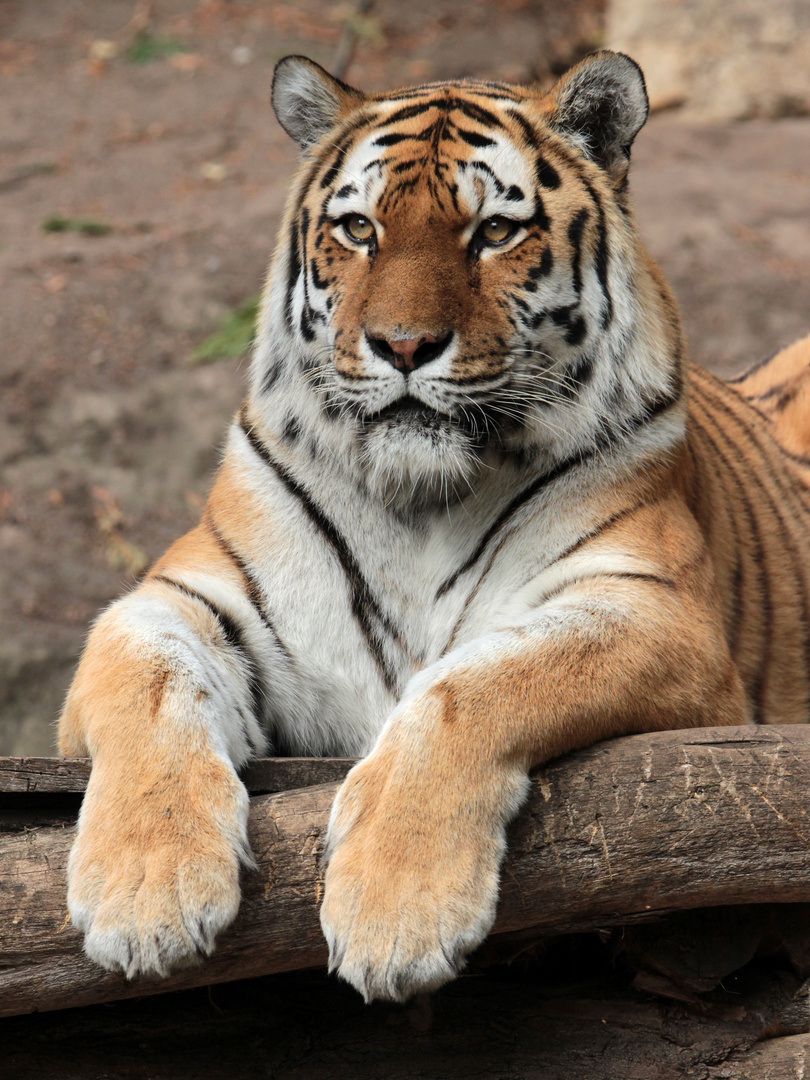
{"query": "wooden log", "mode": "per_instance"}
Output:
(617, 833)
(37, 791)
(36, 776)
(773, 1059)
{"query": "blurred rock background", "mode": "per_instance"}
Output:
(718, 60)
(142, 176)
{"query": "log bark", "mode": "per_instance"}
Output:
(37, 776)
(615, 834)
(774, 1059)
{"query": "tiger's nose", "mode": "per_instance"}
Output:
(407, 354)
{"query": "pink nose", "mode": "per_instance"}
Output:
(406, 347)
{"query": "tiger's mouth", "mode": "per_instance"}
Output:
(410, 416)
(412, 419)
(432, 450)
(408, 410)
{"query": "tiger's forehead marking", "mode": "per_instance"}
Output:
(463, 153)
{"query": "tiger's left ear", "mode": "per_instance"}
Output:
(601, 104)
(307, 101)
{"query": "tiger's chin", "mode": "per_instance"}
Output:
(416, 455)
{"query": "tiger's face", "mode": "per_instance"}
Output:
(455, 261)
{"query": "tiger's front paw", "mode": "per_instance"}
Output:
(411, 883)
(153, 876)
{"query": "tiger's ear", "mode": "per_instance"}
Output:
(602, 104)
(307, 101)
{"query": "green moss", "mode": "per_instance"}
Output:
(147, 47)
(232, 337)
(86, 226)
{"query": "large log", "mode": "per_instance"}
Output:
(617, 833)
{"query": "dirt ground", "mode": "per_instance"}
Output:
(109, 431)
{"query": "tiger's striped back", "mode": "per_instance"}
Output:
(750, 492)
(779, 389)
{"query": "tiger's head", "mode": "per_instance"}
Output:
(459, 275)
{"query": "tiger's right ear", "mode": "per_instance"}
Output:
(307, 101)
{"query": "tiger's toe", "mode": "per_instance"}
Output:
(151, 928)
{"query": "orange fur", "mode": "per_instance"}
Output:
(780, 389)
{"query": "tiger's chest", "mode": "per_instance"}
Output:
(364, 600)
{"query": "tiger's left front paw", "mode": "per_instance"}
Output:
(411, 884)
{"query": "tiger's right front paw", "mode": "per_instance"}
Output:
(153, 876)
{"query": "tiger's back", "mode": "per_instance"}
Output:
(749, 488)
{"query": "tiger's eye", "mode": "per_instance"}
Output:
(497, 230)
(359, 228)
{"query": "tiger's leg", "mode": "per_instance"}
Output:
(417, 832)
(162, 702)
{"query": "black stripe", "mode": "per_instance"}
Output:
(601, 528)
(579, 374)
(787, 397)
(698, 500)
(655, 579)
(341, 147)
(252, 590)
(576, 227)
(758, 436)
(547, 175)
(758, 366)
(472, 138)
(307, 313)
(413, 93)
(318, 281)
(293, 273)
(271, 377)
(652, 579)
(772, 392)
(602, 255)
(529, 132)
(783, 485)
(575, 335)
(365, 608)
(476, 112)
(410, 111)
(758, 560)
(500, 91)
(392, 139)
(484, 168)
(602, 251)
(604, 439)
(798, 459)
(539, 217)
(545, 266)
(233, 635)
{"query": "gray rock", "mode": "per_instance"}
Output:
(718, 59)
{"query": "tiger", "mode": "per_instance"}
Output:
(476, 511)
